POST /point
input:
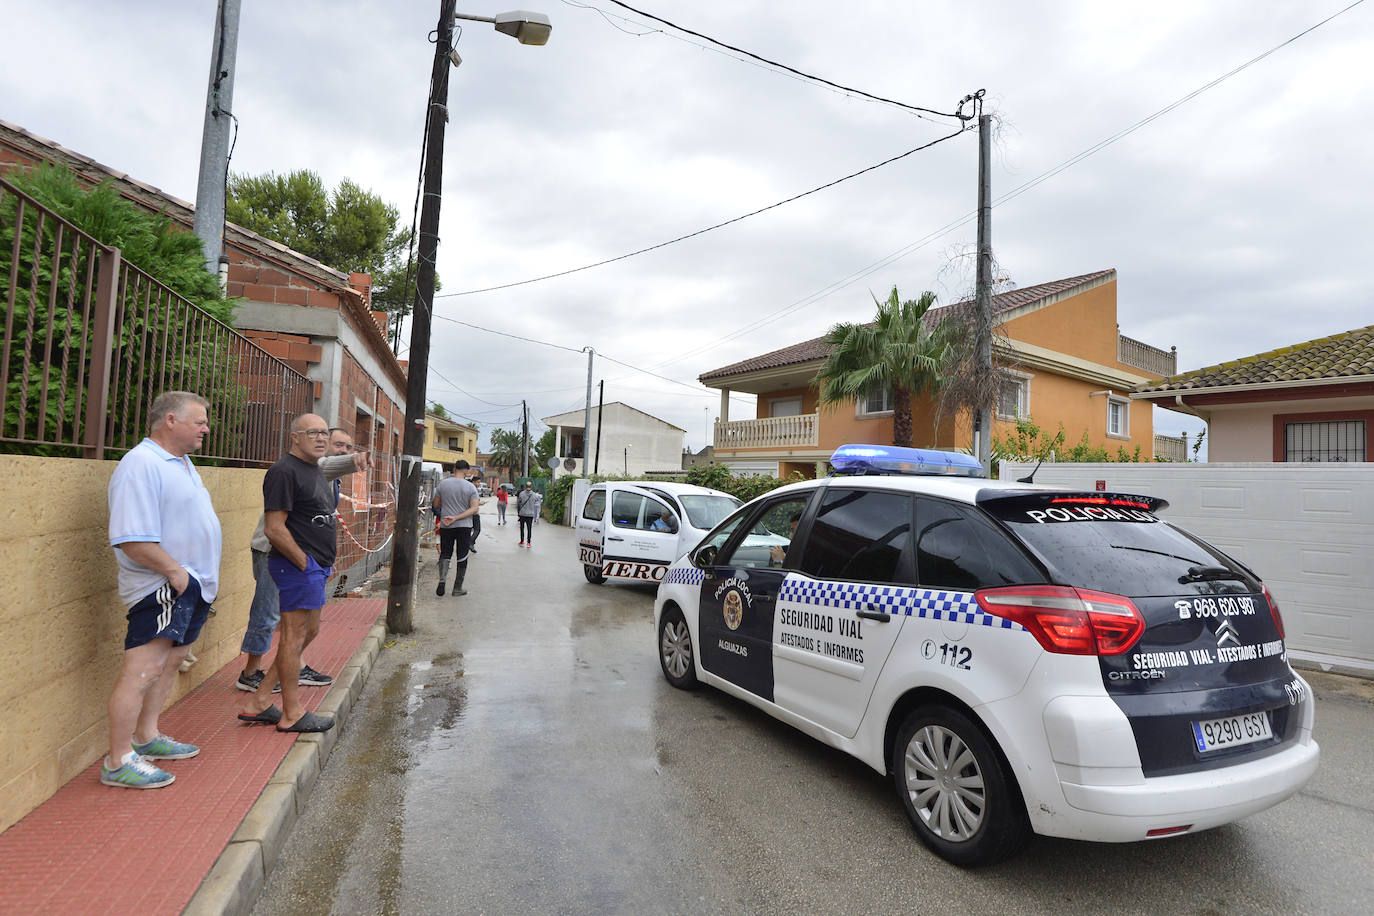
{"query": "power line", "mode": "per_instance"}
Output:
(968, 217)
(800, 73)
(692, 235)
(468, 393)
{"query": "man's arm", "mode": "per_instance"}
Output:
(473, 508)
(281, 538)
(335, 466)
(151, 555)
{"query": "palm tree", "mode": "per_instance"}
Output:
(505, 451)
(898, 352)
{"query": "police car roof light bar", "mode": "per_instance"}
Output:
(891, 459)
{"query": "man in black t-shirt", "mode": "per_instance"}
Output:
(299, 508)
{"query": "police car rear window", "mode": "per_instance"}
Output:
(1117, 544)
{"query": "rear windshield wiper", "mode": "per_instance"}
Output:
(1209, 574)
(1158, 553)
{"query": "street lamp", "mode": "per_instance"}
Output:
(627, 461)
(525, 27)
(528, 29)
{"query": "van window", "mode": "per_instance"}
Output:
(634, 510)
(596, 505)
(859, 535)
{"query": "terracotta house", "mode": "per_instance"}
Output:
(1309, 402)
(1062, 359)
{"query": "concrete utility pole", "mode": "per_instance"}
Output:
(401, 594)
(983, 293)
(587, 417)
(214, 140)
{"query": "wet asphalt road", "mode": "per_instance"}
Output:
(520, 752)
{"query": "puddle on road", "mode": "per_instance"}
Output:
(356, 861)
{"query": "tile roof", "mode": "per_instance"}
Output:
(1339, 356)
(816, 348)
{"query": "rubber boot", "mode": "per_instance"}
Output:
(458, 579)
(443, 575)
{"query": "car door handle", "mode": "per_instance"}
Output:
(614, 538)
(875, 615)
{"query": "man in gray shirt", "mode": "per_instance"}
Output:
(455, 504)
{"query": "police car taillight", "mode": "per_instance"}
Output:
(1066, 620)
(1274, 610)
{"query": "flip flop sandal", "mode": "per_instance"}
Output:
(269, 716)
(310, 723)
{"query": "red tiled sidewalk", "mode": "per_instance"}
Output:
(93, 848)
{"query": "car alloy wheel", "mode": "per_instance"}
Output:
(945, 783)
(675, 649)
(957, 789)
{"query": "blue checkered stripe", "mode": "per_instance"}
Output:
(684, 575)
(925, 603)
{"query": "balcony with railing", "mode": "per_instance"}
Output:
(88, 340)
(1158, 363)
(797, 431)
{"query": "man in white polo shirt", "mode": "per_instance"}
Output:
(167, 545)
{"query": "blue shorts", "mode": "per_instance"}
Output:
(299, 590)
(165, 615)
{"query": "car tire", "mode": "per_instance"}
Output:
(676, 654)
(593, 574)
(957, 788)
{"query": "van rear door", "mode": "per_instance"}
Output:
(590, 522)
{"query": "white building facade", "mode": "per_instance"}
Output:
(632, 442)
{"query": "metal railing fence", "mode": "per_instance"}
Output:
(89, 340)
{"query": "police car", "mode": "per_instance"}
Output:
(1020, 659)
(633, 530)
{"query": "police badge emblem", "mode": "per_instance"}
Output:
(734, 610)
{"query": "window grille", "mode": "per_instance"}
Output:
(1338, 440)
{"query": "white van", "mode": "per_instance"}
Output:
(633, 530)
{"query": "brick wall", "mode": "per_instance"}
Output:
(374, 420)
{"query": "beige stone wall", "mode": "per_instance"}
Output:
(64, 623)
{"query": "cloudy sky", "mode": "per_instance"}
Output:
(1236, 221)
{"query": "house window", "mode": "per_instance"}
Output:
(876, 403)
(1340, 440)
(1118, 417)
(784, 407)
(1013, 396)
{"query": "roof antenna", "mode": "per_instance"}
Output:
(1030, 478)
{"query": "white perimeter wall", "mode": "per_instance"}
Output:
(1306, 529)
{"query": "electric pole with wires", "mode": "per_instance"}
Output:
(401, 594)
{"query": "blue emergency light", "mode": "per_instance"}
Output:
(890, 459)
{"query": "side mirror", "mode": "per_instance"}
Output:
(705, 557)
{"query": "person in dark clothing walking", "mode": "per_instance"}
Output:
(526, 505)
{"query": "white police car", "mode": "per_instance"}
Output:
(634, 529)
(1021, 659)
